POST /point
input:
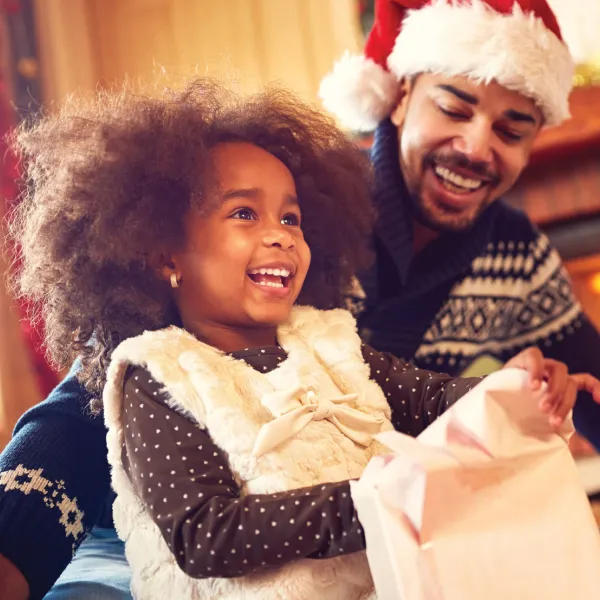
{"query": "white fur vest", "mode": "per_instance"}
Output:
(224, 396)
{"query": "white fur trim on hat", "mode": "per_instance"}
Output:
(359, 92)
(517, 50)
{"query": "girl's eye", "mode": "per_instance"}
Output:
(291, 219)
(245, 214)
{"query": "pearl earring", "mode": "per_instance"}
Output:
(174, 280)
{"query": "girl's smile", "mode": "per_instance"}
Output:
(273, 278)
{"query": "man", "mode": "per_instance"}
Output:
(458, 93)
(424, 256)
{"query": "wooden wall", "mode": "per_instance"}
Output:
(86, 42)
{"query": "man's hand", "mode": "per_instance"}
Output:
(562, 388)
(12, 583)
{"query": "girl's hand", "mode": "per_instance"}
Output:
(561, 392)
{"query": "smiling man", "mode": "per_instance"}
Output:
(457, 93)
(461, 146)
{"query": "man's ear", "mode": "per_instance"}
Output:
(404, 90)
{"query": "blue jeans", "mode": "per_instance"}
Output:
(98, 571)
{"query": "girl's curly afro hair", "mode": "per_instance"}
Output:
(109, 183)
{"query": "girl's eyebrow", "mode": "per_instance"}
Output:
(240, 193)
(252, 194)
(289, 199)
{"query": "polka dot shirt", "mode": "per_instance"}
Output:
(213, 531)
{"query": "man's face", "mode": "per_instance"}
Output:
(462, 145)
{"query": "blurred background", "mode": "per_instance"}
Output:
(50, 49)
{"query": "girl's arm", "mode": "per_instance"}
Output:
(213, 531)
(416, 397)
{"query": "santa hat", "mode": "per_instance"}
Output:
(514, 42)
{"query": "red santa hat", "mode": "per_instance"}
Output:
(514, 42)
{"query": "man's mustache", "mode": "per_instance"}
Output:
(456, 159)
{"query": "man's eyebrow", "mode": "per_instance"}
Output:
(459, 93)
(515, 115)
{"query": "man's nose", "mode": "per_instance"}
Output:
(475, 142)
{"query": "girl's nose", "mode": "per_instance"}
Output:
(278, 237)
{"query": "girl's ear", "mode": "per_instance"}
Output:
(164, 266)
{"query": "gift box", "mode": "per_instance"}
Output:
(486, 503)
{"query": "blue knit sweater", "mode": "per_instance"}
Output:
(492, 292)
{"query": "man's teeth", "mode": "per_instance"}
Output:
(275, 272)
(458, 180)
(271, 284)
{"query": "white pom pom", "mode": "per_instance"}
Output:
(359, 92)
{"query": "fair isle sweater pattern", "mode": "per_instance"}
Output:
(515, 294)
(53, 494)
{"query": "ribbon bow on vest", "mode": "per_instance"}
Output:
(295, 409)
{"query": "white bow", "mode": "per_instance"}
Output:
(291, 418)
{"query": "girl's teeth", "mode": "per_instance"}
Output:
(275, 272)
(271, 284)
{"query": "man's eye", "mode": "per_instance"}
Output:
(453, 114)
(244, 214)
(291, 219)
(513, 137)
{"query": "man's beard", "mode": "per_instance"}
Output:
(453, 221)
(429, 217)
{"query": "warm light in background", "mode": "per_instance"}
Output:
(579, 22)
(595, 283)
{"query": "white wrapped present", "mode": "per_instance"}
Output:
(486, 504)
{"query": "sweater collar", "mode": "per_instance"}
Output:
(391, 199)
(394, 222)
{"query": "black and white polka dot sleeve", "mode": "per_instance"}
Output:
(416, 397)
(213, 531)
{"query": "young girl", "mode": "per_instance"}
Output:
(172, 238)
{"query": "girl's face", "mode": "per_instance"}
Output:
(243, 264)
